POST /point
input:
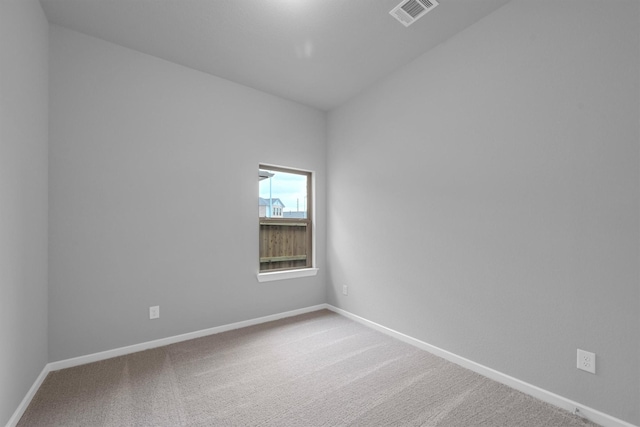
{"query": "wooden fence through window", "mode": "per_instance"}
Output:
(284, 244)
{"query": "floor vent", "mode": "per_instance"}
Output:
(409, 11)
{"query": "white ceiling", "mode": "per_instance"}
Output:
(316, 52)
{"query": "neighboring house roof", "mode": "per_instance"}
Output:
(264, 174)
(265, 202)
(299, 214)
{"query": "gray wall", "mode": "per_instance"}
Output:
(504, 171)
(153, 197)
(23, 199)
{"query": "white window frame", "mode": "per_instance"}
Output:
(270, 276)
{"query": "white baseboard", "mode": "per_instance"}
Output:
(532, 390)
(108, 354)
(13, 421)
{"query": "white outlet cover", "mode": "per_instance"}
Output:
(154, 312)
(586, 361)
(345, 290)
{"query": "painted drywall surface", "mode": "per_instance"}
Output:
(153, 197)
(484, 198)
(23, 199)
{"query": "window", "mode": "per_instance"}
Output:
(284, 206)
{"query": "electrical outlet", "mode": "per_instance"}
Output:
(587, 361)
(345, 290)
(154, 312)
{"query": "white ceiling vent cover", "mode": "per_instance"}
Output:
(409, 11)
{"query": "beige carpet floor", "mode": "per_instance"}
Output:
(317, 369)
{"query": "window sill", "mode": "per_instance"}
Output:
(287, 274)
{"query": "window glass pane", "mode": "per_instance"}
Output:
(282, 194)
(286, 240)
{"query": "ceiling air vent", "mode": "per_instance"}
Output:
(409, 11)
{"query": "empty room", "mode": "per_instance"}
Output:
(447, 230)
